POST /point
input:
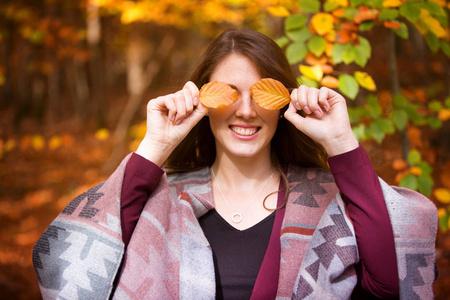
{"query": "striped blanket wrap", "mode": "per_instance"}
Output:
(81, 254)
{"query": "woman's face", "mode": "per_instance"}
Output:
(242, 129)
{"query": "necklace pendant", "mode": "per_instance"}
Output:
(236, 217)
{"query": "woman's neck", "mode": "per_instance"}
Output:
(243, 172)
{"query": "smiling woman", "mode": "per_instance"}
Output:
(245, 206)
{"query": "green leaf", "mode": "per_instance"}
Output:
(447, 102)
(363, 51)
(348, 86)
(330, 5)
(435, 105)
(400, 118)
(374, 3)
(299, 35)
(366, 26)
(432, 41)
(443, 222)
(434, 8)
(349, 55)
(317, 45)
(410, 11)
(374, 108)
(434, 122)
(402, 31)
(409, 182)
(295, 22)
(338, 52)
(399, 100)
(425, 183)
(360, 132)
(388, 14)
(376, 132)
(445, 46)
(414, 157)
(309, 6)
(385, 125)
(350, 12)
(426, 168)
(282, 41)
(296, 52)
(355, 3)
(308, 82)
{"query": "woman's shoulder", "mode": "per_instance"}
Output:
(300, 174)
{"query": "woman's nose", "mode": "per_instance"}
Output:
(246, 106)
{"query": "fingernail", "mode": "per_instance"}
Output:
(318, 113)
(306, 109)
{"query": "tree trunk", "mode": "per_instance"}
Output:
(395, 85)
(138, 80)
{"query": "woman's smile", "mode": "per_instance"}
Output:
(244, 130)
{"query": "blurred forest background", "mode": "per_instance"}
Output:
(75, 77)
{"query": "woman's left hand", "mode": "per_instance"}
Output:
(327, 121)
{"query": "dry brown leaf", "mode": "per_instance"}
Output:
(217, 94)
(270, 94)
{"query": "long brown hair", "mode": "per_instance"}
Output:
(288, 146)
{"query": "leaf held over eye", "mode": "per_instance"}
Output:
(217, 94)
(270, 94)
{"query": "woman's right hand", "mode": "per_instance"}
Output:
(169, 119)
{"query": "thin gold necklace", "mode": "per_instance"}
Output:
(237, 216)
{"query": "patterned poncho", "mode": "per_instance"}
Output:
(81, 254)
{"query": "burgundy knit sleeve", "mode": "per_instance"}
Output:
(361, 190)
(140, 179)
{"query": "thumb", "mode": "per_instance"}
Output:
(292, 116)
(199, 112)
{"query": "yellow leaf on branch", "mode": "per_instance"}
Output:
(432, 24)
(441, 212)
(442, 195)
(278, 11)
(55, 142)
(270, 94)
(392, 3)
(217, 94)
(365, 80)
(314, 73)
(322, 23)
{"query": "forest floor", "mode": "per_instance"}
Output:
(35, 184)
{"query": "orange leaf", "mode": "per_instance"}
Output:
(365, 14)
(399, 164)
(270, 94)
(330, 82)
(312, 60)
(391, 24)
(444, 115)
(327, 69)
(338, 12)
(416, 171)
(217, 94)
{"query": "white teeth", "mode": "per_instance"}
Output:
(244, 131)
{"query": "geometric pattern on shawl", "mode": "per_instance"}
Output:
(79, 255)
(414, 223)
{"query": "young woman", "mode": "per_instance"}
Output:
(251, 209)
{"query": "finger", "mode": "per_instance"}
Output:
(167, 103)
(294, 99)
(180, 103)
(323, 98)
(188, 101)
(303, 98)
(192, 87)
(313, 102)
(292, 116)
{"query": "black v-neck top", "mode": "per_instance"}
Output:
(238, 254)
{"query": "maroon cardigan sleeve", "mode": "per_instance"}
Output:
(361, 190)
(140, 179)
